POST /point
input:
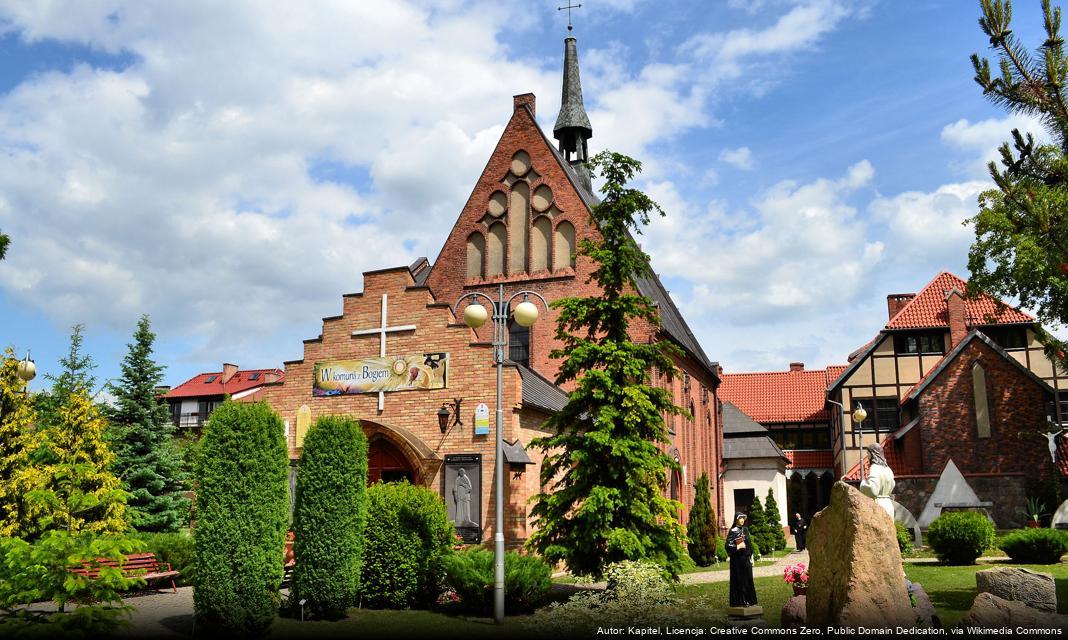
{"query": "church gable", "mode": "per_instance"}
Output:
(523, 220)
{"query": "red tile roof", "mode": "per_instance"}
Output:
(779, 396)
(810, 459)
(198, 386)
(928, 308)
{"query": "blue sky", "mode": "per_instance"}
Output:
(232, 170)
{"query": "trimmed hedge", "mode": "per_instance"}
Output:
(959, 537)
(408, 536)
(329, 517)
(1035, 546)
(176, 548)
(241, 513)
(527, 580)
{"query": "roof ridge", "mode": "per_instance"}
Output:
(921, 292)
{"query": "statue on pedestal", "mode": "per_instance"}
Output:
(740, 551)
(880, 481)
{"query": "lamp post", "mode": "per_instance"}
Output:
(858, 416)
(475, 315)
(26, 369)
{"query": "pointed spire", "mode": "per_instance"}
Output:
(572, 125)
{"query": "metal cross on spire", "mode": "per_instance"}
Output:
(569, 7)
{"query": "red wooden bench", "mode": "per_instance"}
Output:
(137, 565)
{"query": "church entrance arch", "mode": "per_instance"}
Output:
(386, 463)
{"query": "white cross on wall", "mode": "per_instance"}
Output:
(382, 331)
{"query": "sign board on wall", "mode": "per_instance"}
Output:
(463, 494)
(371, 375)
(482, 420)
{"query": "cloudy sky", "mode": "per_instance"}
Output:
(232, 168)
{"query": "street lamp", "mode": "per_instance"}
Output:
(475, 315)
(858, 416)
(26, 369)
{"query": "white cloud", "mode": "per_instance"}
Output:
(980, 141)
(928, 229)
(740, 158)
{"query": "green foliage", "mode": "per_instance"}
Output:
(76, 490)
(1044, 490)
(771, 516)
(408, 537)
(329, 516)
(759, 529)
(721, 550)
(42, 571)
(701, 529)
(147, 458)
(177, 548)
(1035, 546)
(959, 537)
(17, 441)
(904, 538)
(241, 515)
(5, 242)
(604, 473)
(1021, 231)
(77, 374)
(527, 580)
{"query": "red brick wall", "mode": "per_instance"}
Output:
(696, 442)
(947, 427)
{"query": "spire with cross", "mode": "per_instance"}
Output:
(569, 7)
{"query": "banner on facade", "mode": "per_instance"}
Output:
(371, 375)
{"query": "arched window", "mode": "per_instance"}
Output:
(564, 246)
(540, 239)
(518, 219)
(982, 406)
(498, 235)
(476, 251)
(519, 344)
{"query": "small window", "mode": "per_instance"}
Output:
(1007, 337)
(519, 344)
(254, 376)
(932, 342)
(883, 415)
(211, 379)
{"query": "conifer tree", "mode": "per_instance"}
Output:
(5, 240)
(17, 442)
(772, 516)
(1021, 230)
(603, 472)
(758, 527)
(80, 492)
(77, 373)
(147, 459)
(701, 529)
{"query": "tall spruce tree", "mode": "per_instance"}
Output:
(701, 529)
(147, 458)
(76, 373)
(17, 442)
(604, 472)
(1021, 230)
(772, 516)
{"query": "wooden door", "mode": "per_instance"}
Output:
(386, 463)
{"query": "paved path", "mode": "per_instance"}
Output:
(758, 572)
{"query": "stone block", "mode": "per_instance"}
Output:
(992, 612)
(1037, 590)
(793, 613)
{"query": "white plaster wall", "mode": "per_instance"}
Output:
(758, 475)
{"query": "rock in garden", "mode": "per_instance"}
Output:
(1036, 589)
(855, 574)
(922, 607)
(793, 613)
(992, 612)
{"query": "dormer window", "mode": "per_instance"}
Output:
(920, 342)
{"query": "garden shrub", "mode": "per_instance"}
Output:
(329, 516)
(637, 593)
(241, 513)
(904, 537)
(527, 580)
(408, 536)
(959, 537)
(775, 528)
(760, 530)
(721, 550)
(1035, 546)
(701, 529)
(176, 548)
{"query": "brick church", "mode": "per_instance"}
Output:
(397, 355)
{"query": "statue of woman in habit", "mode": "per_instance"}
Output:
(740, 551)
(461, 496)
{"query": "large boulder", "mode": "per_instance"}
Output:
(992, 612)
(1036, 589)
(922, 607)
(855, 574)
(793, 613)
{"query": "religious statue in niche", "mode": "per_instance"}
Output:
(880, 481)
(461, 496)
(740, 552)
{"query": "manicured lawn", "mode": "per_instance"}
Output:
(772, 592)
(723, 566)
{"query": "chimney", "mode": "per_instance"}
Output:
(270, 376)
(958, 322)
(797, 366)
(895, 302)
(229, 371)
(524, 99)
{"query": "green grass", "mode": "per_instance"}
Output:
(399, 624)
(723, 566)
(772, 592)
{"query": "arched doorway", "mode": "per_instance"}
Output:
(386, 463)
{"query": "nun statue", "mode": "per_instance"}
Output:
(740, 552)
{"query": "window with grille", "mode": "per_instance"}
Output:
(519, 344)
